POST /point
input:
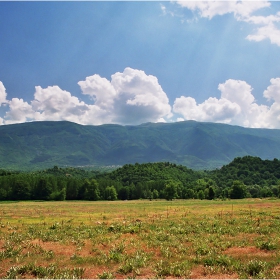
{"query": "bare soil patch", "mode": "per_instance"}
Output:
(248, 252)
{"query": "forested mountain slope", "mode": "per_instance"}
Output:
(243, 177)
(196, 145)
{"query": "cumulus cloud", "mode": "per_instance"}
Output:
(211, 110)
(236, 106)
(3, 94)
(273, 93)
(238, 92)
(265, 26)
(20, 111)
(100, 90)
(53, 103)
(131, 97)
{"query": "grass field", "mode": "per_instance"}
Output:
(140, 239)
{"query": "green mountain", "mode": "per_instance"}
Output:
(196, 145)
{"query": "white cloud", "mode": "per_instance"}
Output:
(209, 9)
(3, 94)
(266, 28)
(20, 112)
(180, 119)
(236, 106)
(139, 97)
(238, 92)
(268, 31)
(100, 90)
(264, 20)
(273, 93)
(53, 103)
(131, 97)
(211, 110)
(161, 120)
(243, 11)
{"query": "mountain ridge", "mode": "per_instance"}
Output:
(197, 145)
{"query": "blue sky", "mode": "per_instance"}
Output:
(135, 62)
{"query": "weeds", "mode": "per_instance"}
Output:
(255, 268)
(177, 269)
(134, 263)
(105, 275)
(267, 245)
(43, 272)
(213, 236)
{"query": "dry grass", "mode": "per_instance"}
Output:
(140, 239)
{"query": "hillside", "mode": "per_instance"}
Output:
(196, 145)
(243, 177)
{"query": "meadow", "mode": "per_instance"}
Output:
(140, 239)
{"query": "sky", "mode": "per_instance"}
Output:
(134, 62)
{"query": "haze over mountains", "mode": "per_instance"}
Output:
(38, 145)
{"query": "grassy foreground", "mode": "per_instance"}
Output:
(140, 239)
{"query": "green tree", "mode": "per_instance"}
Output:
(255, 191)
(58, 195)
(200, 184)
(111, 193)
(238, 190)
(43, 189)
(201, 195)
(21, 190)
(139, 190)
(211, 193)
(123, 193)
(91, 190)
(189, 193)
(170, 190)
(72, 189)
(155, 194)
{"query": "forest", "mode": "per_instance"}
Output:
(244, 177)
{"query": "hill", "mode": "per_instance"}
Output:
(243, 177)
(38, 145)
(249, 170)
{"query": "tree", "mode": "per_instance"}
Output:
(211, 193)
(139, 190)
(200, 184)
(201, 195)
(170, 191)
(72, 189)
(155, 194)
(21, 190)
(189, 193)
(111, 193)
(58, 195)
(238, 190)
(91, 190)
(43, 189)
(255, 191)
(123, 193)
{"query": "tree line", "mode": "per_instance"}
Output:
(243, 177)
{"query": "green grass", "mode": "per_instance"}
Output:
(140, 239)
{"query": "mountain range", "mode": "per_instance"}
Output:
(197, 145)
